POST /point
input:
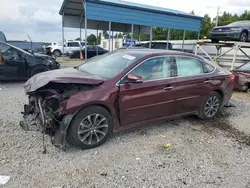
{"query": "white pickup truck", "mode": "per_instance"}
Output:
(57, 50)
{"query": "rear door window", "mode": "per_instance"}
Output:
(187, 66)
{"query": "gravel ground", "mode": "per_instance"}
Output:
(203, 154)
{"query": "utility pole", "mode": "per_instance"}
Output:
(217, 17)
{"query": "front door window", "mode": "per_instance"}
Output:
(154, 69)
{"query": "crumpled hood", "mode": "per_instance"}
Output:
(68, 75)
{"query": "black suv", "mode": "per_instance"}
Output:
(16, 63)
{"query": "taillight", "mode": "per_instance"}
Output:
(232, 77)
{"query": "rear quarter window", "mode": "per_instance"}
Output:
(187, 66)
(208, 68)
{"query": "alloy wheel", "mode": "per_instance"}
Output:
(92, 129)
(212, 106)
(243, 37)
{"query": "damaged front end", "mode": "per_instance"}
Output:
(45, 112)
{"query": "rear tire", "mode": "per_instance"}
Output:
(211, 106)
(248, 91)
(57, 53)
(91, 127)
(243, 36)
(38, 69)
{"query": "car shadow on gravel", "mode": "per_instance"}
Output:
(221, 122)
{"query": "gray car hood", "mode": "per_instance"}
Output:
(68, 75)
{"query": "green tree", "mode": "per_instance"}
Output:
(91, 39)
(206, 26)
(120, 35)
(78, 39)
(245, 15)
(105, 34)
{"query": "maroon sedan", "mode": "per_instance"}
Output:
(121, 89)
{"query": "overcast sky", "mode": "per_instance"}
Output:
(41, 21)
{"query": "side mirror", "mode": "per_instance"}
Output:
(132, 78)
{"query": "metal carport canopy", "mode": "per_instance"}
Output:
(122, 14)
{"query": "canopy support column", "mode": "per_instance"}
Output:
(112, 41)
(132, 33)
(151, 37)
(86, 28)
(169, 30)
(63, 32)
(139, 35)
(109, 34)
(184, 36)
(97, 38)
(81, 26)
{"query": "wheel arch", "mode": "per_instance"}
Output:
(113, 115)
(220, 92)
(245, 30)
(35, 66)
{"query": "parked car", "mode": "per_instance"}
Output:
(137, 45)
(154, 45)
(120, 89)
(20, 64)
(242, 77)
(57, 50)
(2, 37)
(158, 45)
(91, 52)
(237, 31)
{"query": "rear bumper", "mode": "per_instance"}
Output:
(228, 93)
(225, 35)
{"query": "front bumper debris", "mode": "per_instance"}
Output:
(44, 115)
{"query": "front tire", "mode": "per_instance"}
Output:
(211, 106)
(91, 127)
(243, 36)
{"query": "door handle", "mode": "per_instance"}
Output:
(207, 81)
(168, 88)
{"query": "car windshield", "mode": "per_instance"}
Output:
(9, 46)
(245, 67)
(239, 24)
(109, 65)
